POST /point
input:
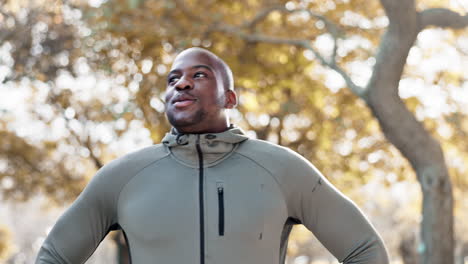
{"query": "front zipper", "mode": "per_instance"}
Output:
(220, 189)
(201, 202)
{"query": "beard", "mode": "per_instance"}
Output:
(181, 122)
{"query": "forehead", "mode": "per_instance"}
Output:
(189, 59)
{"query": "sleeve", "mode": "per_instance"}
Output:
(84, 225)
(333, 218)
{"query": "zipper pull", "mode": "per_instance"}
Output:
(220, 189)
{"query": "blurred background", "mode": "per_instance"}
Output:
(374, 93)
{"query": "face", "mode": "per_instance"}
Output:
(195, 97)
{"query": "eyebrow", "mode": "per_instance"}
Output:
(193, 67)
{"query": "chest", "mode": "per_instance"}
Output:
(169, 203)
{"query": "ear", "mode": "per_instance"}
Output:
(231, 99)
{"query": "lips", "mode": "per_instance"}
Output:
(185, 103)
(183, 100)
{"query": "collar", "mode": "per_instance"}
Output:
(214, 146)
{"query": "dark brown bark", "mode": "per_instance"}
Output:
(463, 253)
(407, 249)
(441, 17)
(408, 134)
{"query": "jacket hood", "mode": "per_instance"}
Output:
(215, 147)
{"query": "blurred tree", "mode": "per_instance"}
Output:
(36, 43)
(5, 242)
(287, 57)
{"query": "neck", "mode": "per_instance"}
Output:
(182, 130)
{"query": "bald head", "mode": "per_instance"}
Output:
(225, 71)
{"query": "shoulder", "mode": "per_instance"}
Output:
(138, 158)
(264, 151)
(286, 165)
(253, 146)
(120, 170)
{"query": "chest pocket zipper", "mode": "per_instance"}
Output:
(220, 189)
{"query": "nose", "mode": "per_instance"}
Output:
(183, 84)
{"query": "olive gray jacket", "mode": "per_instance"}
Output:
(211, 198)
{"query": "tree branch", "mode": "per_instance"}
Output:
(186, 11)
(331, 27)
(92, 155)
(442, 17)
(397, 9)
(303, 43)
(262, 15)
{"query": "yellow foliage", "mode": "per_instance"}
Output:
(250, 102)
(412, 103)
(5, 242)
(300, 234)
(273, 80)
(275, 16)
(433, 3)
(464, 125)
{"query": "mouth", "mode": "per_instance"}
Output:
(183, 101)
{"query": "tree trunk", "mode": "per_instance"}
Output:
(407, 134)
(426, 157)
(462, 253)
(407, 249)
(437, 221)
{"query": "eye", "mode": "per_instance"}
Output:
(199, 75)
(172, 79)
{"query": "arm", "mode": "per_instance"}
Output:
(82, 227)
(334, 219)
(79, 231)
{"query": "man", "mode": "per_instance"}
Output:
(208, 193)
